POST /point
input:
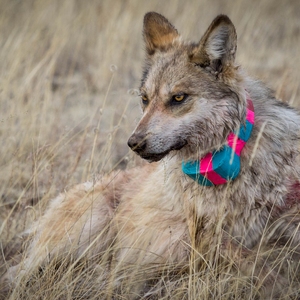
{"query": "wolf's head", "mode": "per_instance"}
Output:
(191, 93)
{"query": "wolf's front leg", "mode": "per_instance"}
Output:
(148, 234)
(76, 223)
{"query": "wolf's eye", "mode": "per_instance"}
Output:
(176, 99)
(179, 97)
(144, 99)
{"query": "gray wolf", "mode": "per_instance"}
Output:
(193, 97)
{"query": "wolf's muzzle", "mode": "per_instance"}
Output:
(137, 142)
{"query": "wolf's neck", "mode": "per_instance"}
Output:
(223, 165)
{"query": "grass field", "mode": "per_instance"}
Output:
(68, 102)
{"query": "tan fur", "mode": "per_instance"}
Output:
(155, 215)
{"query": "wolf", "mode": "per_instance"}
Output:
(221, 181)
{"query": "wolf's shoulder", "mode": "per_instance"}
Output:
(269, 109)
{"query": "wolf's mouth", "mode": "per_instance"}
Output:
(152, 157)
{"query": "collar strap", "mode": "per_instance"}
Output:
(218, 167)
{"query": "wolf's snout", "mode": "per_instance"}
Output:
(137, 142)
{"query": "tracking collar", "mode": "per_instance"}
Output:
(219, 167)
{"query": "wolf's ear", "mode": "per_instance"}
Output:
(158, 32)
(217, 47)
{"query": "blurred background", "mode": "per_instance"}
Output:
(69, 72)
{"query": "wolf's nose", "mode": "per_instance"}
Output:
(137, 142)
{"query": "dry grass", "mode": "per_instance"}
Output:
(68, 74)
